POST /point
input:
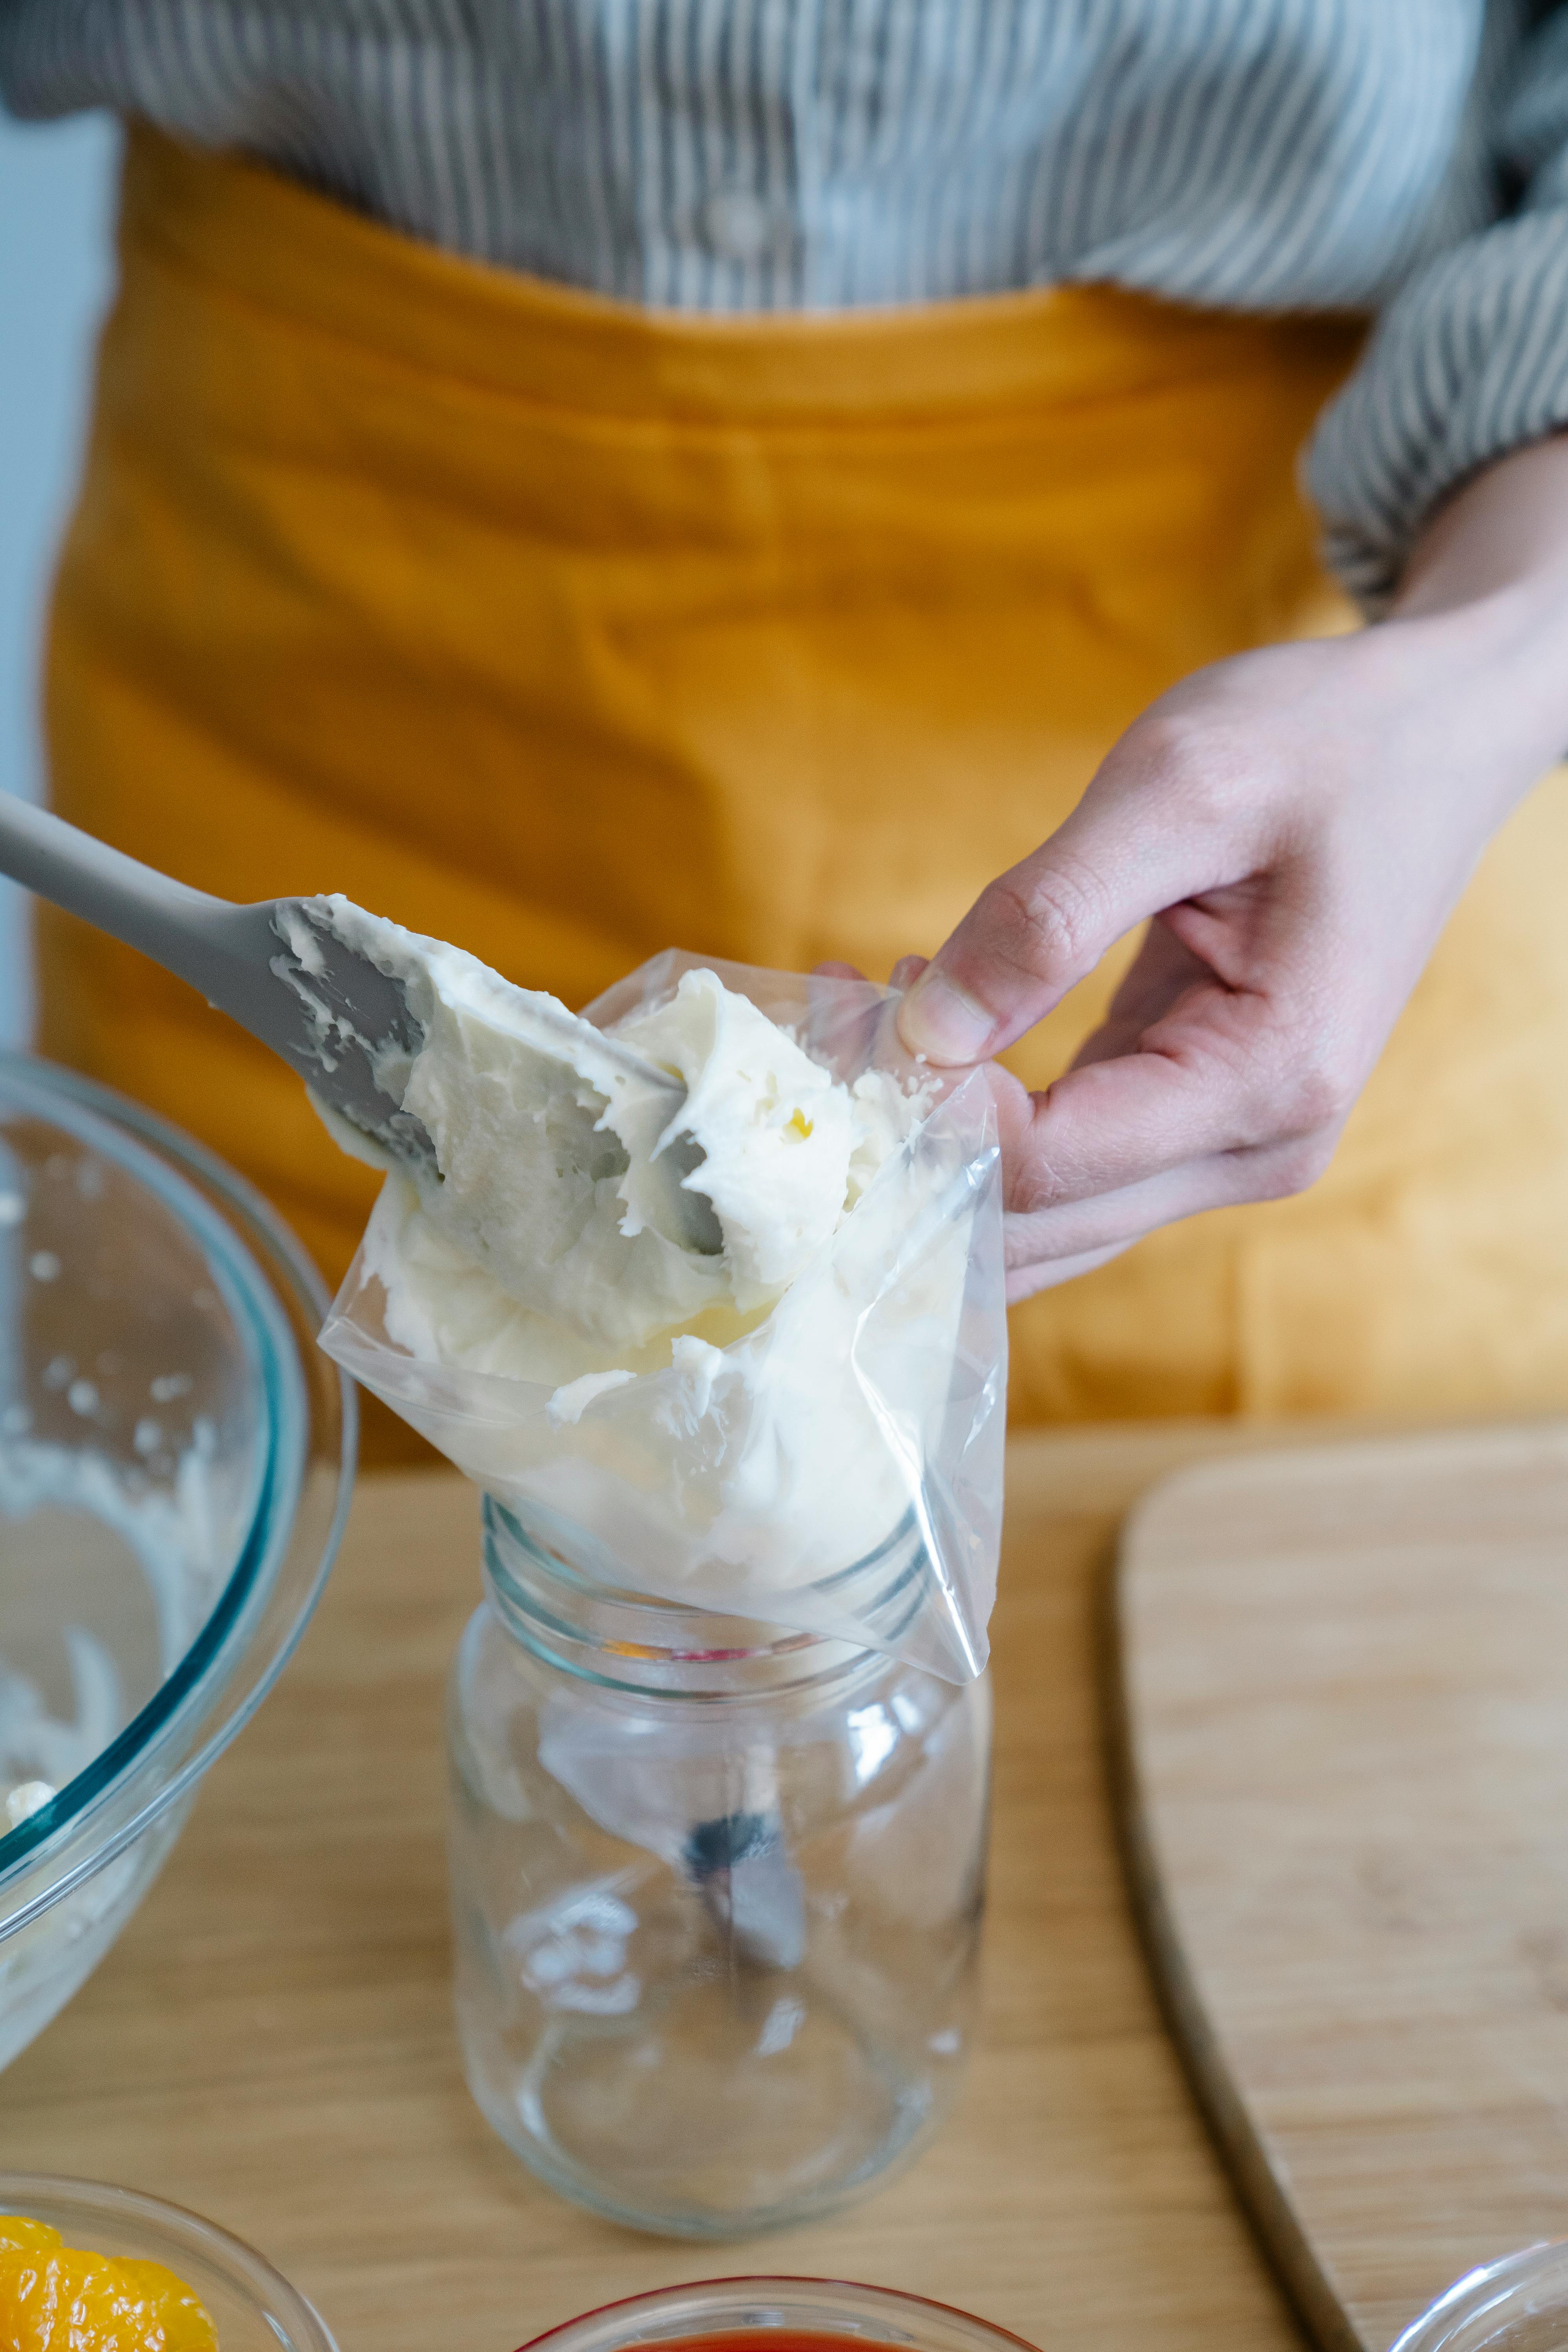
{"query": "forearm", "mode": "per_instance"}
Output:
(1507, 527)
(1482, 612)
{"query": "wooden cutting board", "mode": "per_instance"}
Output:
(1341, 1740)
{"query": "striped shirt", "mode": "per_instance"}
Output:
(1403, 157)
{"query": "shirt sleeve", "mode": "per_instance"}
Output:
(1468, 360)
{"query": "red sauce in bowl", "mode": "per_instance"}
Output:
(634, 2324)
(768, 2339)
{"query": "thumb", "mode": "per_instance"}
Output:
(1038, 928)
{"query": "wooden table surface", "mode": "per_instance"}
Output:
(1346, 1773)
(271, 2040)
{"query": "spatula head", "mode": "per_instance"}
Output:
(352, 1035)
(347, 1027)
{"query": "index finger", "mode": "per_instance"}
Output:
(1218, 1080)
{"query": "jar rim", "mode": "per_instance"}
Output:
(572, 1619)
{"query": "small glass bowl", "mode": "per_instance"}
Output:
(867, 2315)
(1517, 2304)
(252, 2308)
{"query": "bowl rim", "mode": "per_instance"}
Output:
(244, 2267)
(1477, 2293)
(165, 1161)
(651, 2299)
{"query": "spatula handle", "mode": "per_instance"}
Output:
(179, 928)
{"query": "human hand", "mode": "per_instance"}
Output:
(1295, 824)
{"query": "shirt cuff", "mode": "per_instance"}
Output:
(1470, 361)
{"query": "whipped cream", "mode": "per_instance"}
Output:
(183, 1536)
(546, 1252)
(725, 1425)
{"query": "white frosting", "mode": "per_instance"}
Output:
(183, 1540)
(545, 1253)
(724, 1425)
(571, 1400)
(183, 1536)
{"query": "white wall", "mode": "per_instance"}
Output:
(56, 187)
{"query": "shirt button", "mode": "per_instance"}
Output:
(739, 224)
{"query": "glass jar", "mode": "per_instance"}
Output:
(716, 1889)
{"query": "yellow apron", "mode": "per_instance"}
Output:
(568, 631)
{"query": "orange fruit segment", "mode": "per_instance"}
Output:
(60, 2298)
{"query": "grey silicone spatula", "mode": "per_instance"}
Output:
(280, 970)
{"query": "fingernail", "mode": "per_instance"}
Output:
(944, 1022)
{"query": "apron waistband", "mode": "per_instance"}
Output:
(269, 242)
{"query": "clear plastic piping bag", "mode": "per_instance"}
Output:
(839, 1469)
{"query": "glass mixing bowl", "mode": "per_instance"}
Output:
(1517, 2304)
(175, 1462)
(788, 2308)
(252, 2308)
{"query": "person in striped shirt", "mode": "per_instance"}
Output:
(942, 364)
